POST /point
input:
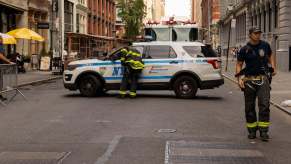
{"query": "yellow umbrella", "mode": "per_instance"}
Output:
(7, 39)
(24, 33)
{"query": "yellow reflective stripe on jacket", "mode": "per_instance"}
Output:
(264, 124)
(136, 54)
(124, 51)
(135, 64)
(122, 59)
(252, 125)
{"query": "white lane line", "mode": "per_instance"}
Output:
(105, 157)
(167, 153)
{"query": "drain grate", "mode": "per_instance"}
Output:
(178, 152)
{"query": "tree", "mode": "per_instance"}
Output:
(132, 13)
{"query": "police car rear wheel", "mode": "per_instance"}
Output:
(89, 86)
(185, 87)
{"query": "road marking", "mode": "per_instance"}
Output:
(32, 155)
(167, 152)
(105, 157)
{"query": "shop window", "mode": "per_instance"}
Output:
(68, 6)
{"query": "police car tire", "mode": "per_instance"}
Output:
(191, 82)
(95, 88)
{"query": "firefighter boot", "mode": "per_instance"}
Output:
(132, 95)
(252, 133)
(122, 94)
(264, 134)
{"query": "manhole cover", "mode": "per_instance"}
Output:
(211, 153)
(167, 130)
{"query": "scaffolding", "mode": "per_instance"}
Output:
(88, 46)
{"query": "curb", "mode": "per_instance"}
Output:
(39, 81)
(278, 106)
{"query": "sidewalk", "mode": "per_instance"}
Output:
(33, 76)
(281, 84)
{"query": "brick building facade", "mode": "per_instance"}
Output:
(99, 33)
(210, 18)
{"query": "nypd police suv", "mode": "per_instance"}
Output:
(183, 67)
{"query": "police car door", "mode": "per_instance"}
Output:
(161, 63)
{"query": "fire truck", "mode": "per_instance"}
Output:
(172, 30)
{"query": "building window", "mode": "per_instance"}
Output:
(270, 19)
(77, 23)
(3, 22)
(276, 14)
(68, 16)
(265, 23)
(81, 23)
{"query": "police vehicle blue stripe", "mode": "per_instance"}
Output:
(106, 63)
(143, 77)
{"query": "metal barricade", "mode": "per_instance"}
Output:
(8, 83)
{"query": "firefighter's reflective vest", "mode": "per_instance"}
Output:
(133, 59)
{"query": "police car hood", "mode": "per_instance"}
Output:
(87, 61)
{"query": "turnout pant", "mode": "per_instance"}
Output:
(130, 76)
(253, 91)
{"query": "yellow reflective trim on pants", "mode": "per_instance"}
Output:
(252, 125)
(122, 92)
(264, 124)
(132, 93)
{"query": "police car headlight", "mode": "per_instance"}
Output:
(72, 67)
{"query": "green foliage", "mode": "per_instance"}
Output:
(132, 13)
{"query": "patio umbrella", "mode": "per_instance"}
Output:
(25, 33)
(7, 39)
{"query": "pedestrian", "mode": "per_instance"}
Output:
(132, 64)
(254, 81)
(233, 54)
(3, 60)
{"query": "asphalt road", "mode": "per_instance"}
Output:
(59, 126)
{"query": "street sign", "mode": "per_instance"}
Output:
(43, 25)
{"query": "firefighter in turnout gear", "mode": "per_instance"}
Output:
(254, 80)
(131, 61)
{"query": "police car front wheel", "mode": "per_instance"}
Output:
(185, 87)
(89, 86)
